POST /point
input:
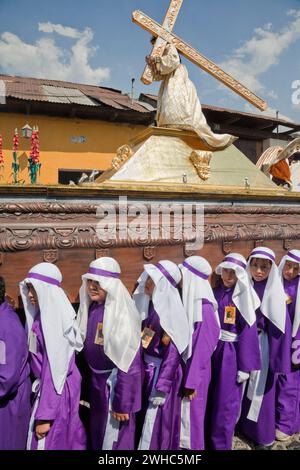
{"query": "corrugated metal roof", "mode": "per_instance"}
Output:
(25, 90)
(66, 95)
(56, 91)
(147, 106)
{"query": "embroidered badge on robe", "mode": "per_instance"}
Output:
(166, 339)
(147, 336)
(99, 339)
(230, 315)
(2, 353)
(33, 342)
(289, 300)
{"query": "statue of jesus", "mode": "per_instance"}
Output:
(178, 104)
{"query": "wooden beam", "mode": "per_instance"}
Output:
(160, 44)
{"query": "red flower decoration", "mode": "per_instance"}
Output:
(16, 142)
(35, 147)
(1, 154)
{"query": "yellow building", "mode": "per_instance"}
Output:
(80, 126)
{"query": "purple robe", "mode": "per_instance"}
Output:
(67, 431)
(165, 434)
(229, 358)
(15, 385)
(197, 372)
(288, 385)
(262, 432)
(126, 392)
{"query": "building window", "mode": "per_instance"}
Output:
(69, 176)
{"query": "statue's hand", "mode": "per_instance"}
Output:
(150, 60)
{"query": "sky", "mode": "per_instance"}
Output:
(95, 42)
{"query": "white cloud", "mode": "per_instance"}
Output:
(294, 12)
(59, 29)
(257, 55)
(45, 59)
(272, 94)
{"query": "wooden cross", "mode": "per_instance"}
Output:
(160, 43)
(164, 35)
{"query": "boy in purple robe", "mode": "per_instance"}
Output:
(204, 332)
(164, 339)
(237, 352)
(111, 327)
(15, 385)
(53, 339)
(274, 328)
(288, 385)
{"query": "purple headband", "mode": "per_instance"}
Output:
(234, 261)
(166, 274)
(262, 252)
(195, 271)
(295, 257)
(41, 277)
(103, 272)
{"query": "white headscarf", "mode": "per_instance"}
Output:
(121, 323)
(59, 327)
(293, 255)
(244, 296)
(273, 304)
(166, 301)
(195, 287)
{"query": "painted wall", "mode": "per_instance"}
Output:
(59, 144)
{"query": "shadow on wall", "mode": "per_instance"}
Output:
(23, 161)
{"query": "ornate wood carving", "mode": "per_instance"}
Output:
(56, 225)
(288, 244)
(149, 252)
(123, 154)
(201, 161)
(188, 252)
(51, 238)
(50, 256)
(101, 253)
(40, 209)
(226, 247)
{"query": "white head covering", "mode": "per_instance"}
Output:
(121, 323)
(195, 287)
(244, 296)
(293, 255)
(273, 304)
(59, 327)
(166, 301)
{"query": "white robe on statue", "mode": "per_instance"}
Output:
(178, 103)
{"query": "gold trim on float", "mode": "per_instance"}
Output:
(155, 190)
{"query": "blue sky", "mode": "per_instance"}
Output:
(94, 41)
